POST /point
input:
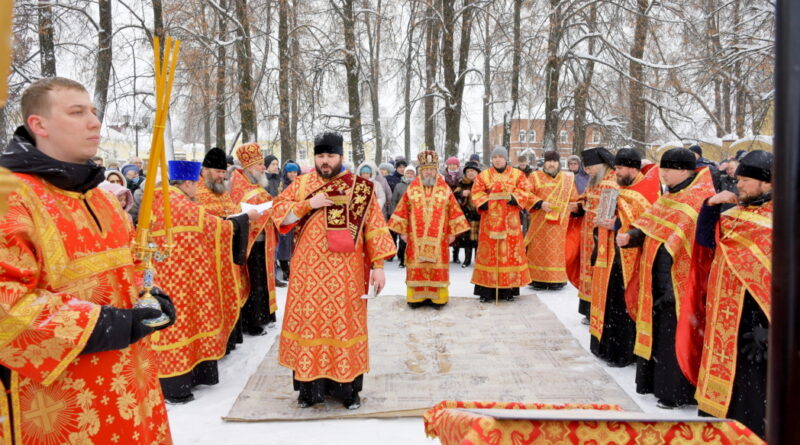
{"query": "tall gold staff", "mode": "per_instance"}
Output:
(8, 183)
(144, 248)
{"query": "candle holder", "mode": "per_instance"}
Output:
(147, 253)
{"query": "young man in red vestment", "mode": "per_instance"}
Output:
(670, 284)
(733, 373)
(342, 241)
(75, 359)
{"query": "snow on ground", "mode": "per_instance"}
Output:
(200, 422)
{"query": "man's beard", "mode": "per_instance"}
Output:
(217, 188)
(598, 176)
(552, 172)
(625, 181)
(428, 182)
(335, 169)
(259, 180)
(747, 200)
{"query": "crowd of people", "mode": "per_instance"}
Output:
(671, 262)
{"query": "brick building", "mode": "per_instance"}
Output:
(528, 134)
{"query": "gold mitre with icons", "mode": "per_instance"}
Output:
(249, 154)
(428, 159)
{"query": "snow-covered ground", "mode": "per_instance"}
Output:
(200, 422)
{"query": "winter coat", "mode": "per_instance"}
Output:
(381, 192)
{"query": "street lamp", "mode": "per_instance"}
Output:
(475, 138)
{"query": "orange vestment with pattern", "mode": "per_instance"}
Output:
(590, 200)
(63, 255)
(242, 190)
(428, 216)
(742, 263)
(547, 232)
(324, 332)
(501, 262)
(208, 307)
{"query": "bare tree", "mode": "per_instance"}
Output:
(104, 58)
(46, 39)
(244, 57)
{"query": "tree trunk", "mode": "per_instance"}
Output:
(374, 74)
(515, 62)
(295, 85)
(47, 45)
(454, 77)
(206, 103)
(407, 94)
(158, 25)
(287, 150)
(220, 99)
(582, 91)
(552, 77)
(431, 67)
(104, 59)
(244, 58)
(638, 111)
(487, 86)
(351, 68)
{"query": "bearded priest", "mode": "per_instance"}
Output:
(428, 218)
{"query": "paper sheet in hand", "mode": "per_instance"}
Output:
(370, 295)
(260, 208)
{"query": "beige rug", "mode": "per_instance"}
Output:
(512, 352)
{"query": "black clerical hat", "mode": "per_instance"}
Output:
(215, 158)
(597, 155)
(678, 158)
(757, 165)
(628, 157)
(328, 142)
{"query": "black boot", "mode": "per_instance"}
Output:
(467, 257)
(285, 269)
(455, 255)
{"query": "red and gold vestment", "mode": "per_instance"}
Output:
(672, 221)
(209, 306)
(590, 201)
(501, 262)
(242, 190)
(742, 263)
(428, 216)
(547, 231)
(632, 202)
(324, 332)
(63, 255)
(217, 205)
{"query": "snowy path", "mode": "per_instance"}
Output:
(200, 422)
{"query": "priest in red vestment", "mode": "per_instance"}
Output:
(732, 381)
(213, 195)
(612, 329)
(248, 185)
(671, 282)
(76, 365)
(201, 277)
(428, 218)
(555, 197)
(599, 164)
(499, 193)
(342, 241)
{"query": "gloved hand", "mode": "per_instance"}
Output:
(166, 306)
(755, 344)
(513, 202)
(119, 328)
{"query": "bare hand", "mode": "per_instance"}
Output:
(253, 214)
(404, 238)
(623, 239)
(573, 207)
(377, 280)
(546, 206)
(724, 197)
(465, 192)
(450, 239)
(319, 200)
